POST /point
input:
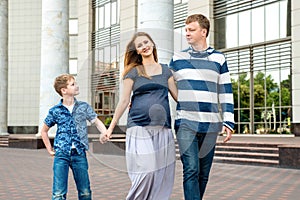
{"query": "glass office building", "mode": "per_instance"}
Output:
(256, 38)
(259, 39)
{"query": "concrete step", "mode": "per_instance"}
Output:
(221, 147)
(4, 141)
(244, 144)
(251, 155)
(231, 152)
(247, 161)
(247, 153)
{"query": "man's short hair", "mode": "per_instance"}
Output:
(201, 19)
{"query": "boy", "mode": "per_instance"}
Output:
(71, 140)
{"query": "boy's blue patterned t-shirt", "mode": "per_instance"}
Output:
(71, 127)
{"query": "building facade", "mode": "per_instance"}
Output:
(88, 39)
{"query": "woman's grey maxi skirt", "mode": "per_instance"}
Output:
(150, 158)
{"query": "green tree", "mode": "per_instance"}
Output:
(264, 88)
(241, 96)
(285, 86)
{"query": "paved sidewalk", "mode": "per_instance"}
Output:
(27, 175)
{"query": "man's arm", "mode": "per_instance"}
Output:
(225, 95)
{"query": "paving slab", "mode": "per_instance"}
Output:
(26, 174)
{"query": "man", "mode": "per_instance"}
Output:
(205, 105)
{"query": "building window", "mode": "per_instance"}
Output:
(105, 80)
(257, 46)
(261, 86)
(73, 26)
(180, 1)
(250, 22)
(73, 66)
(106, 53)
(115, 13)
(106, 15)
(180, 13)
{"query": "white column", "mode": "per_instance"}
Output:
(54, 52)
(156, 18)
(3, 65)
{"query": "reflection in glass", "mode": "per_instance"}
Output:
(96, 57)
(237, 127)
(113, 54)
(105, 73)
(101, 55)
(285, 87)
(283, 19)
(231, 31)
(245, 120)
(107, 54)
(118, 11)
(258, 25)
(96, 19)
(99, 62)
(101, 17)
(114, 13)
(219, 33)
(244, 28)
(272, 21)
(244, 90)
(267, 61)
(107, 15)
(263, 23)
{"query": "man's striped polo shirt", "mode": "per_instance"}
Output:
(205, 99)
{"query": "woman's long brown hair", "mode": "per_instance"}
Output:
(133, 59)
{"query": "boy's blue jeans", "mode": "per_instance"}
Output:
(79, 165)
(196, 153)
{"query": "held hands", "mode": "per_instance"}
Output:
(104, 137)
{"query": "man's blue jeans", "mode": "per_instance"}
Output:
(196, 153)
(79, 165)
